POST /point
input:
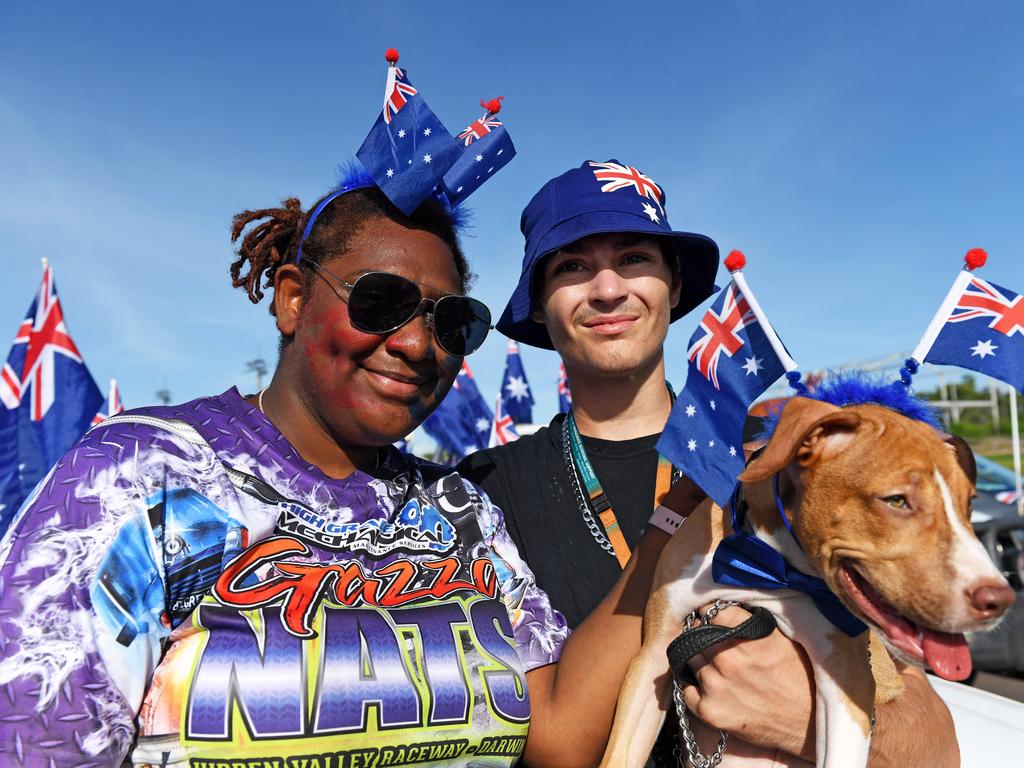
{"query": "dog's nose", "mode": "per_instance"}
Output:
(990, 601)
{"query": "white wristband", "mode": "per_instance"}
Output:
(665, 519)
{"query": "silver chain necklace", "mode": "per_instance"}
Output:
(581, 501)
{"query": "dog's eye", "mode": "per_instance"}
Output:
(897, 501)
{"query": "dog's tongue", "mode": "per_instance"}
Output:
(947, 655)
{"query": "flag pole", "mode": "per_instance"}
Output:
(1015, 437)
(735, 262)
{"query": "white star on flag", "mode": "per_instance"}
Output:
(983, 349)
(753, 365)
(650, 211)
(458, 190)
(712, 404)
(426, 131)
(691, 444)
(427, 158)
(690, 410)
(401, 133)
(478, 158)
(500, 151)
(482, 425)
(711, 443)
(732, 451)
(517, 388)
(391, 172)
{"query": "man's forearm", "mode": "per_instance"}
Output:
(574, 700)
(916, 729)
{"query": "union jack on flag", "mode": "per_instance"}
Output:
(503, 431)
(111, 406)
(47, 337)
(10, 377)
(616, 176)
(982, 299)
(720, 333)
(478, 129)
(396, 94)
(564, 395)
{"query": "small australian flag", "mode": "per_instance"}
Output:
(408, 150)
(983, 331)
(487, 149)
(732, 361)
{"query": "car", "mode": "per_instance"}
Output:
(1001, 531)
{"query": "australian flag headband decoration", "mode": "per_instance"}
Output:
(411, 156)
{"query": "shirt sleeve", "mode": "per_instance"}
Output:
(82, 601)
(539, 630)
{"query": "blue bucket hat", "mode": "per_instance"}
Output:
(592, 199)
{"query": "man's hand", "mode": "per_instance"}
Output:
(762, 691)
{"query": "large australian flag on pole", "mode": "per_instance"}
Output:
(48, 399)
(517, 400)
(408, 150)
(980, 326)
(734, 357)
(461, 424)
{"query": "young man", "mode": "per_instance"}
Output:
(603, 276)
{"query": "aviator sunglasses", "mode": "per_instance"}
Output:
(381, 303)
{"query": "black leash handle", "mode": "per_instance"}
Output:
(697, 640)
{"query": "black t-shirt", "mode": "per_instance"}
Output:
(529, 480)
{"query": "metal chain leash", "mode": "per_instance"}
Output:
(588, 516)
(695, 758)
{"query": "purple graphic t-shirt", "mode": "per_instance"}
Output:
(184, 590)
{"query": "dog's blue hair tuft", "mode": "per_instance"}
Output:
(352, 175)
(859, 388)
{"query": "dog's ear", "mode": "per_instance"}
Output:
(806, 431)
(964, 457)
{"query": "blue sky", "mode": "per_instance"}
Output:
(853, 151)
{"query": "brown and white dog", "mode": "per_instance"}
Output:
(880, 504)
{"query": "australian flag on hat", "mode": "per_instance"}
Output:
(516, 398)
(408, 150)
(47, 399)
(735, 355)
(979, 326)
(487, 148)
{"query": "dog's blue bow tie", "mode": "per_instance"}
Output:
(743, 560)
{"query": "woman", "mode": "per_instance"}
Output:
(266, 581)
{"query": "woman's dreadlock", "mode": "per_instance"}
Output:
(275, 241)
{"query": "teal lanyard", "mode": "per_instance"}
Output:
(598, 499)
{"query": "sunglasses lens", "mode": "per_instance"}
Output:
(380, 302)
(461, 324)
